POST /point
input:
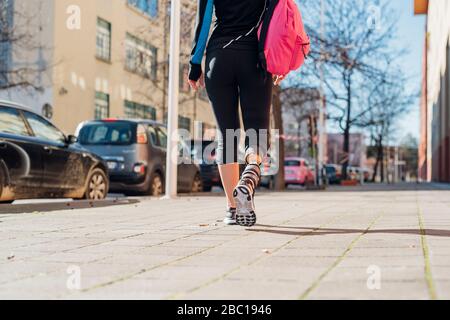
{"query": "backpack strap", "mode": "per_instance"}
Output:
(252, 29)
(264, 30)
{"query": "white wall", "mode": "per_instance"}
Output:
(438, 36)
(34, 19)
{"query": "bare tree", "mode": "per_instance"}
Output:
(387, 101)
(357, 52)
(22, 55)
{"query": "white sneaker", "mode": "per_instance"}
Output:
(230, 218)
(245, 206)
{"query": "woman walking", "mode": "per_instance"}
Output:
(234, 75)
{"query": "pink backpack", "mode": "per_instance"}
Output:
(286, 44)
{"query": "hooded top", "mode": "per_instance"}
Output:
(236, 26)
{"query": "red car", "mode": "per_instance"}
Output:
(298, 172)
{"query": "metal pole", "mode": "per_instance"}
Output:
(321, 125)
(172, 117)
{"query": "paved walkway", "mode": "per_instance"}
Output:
(372, 242)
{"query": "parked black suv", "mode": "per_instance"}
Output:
(135, 151)
(37, 160)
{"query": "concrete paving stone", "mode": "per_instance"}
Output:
(246, 290)
(196, 243)
(385, 252)
(307, 252)
(68, 257)
(352, 261)
(204, 260)
(6, 256)
(440, 273)
(43, 286)
(358, 290)
(275, 261)
(143, 288)
(177, 251)
(385, 273)
(176, 271)
(262, 272)
(17, 270)
(138, 261)
(440, 261)
(443, 289)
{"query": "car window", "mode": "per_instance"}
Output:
(44, 129)
(330, 170)
(153, 135)
(107, 133)
(162, 135)
(292, 163)
(11, 122)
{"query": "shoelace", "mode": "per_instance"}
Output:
(251, 177)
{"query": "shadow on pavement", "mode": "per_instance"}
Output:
(301, 231)
(66, 205)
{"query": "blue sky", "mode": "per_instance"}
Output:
(411, 35)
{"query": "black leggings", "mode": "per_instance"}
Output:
(233, 76)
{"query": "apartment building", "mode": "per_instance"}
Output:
(434, 150)
(104, 59)
(301, 108)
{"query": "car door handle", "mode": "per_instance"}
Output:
(48, 150)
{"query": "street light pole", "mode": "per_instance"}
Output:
(321, 125)
(172, 116)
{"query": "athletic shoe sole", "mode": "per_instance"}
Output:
(245, 211)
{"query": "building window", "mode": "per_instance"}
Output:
(140, 57)
(6, 23)
(103, 39)
(148, 7)
(101, 105)
(184, 123)
(135, 110)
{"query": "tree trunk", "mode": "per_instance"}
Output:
(347, 130)
(278, 119)
(382, 163)
(299, 136)
(379, 145)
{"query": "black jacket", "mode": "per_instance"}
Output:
(236, 26)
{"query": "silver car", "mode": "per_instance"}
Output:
(135, 151)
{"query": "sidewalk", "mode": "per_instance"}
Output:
(375, 243)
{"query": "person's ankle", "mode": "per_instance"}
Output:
(253, 159)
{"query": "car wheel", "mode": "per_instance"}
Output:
(156, 185)
(197, 184)
(97, 187)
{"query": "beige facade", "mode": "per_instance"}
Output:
(79, 74)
